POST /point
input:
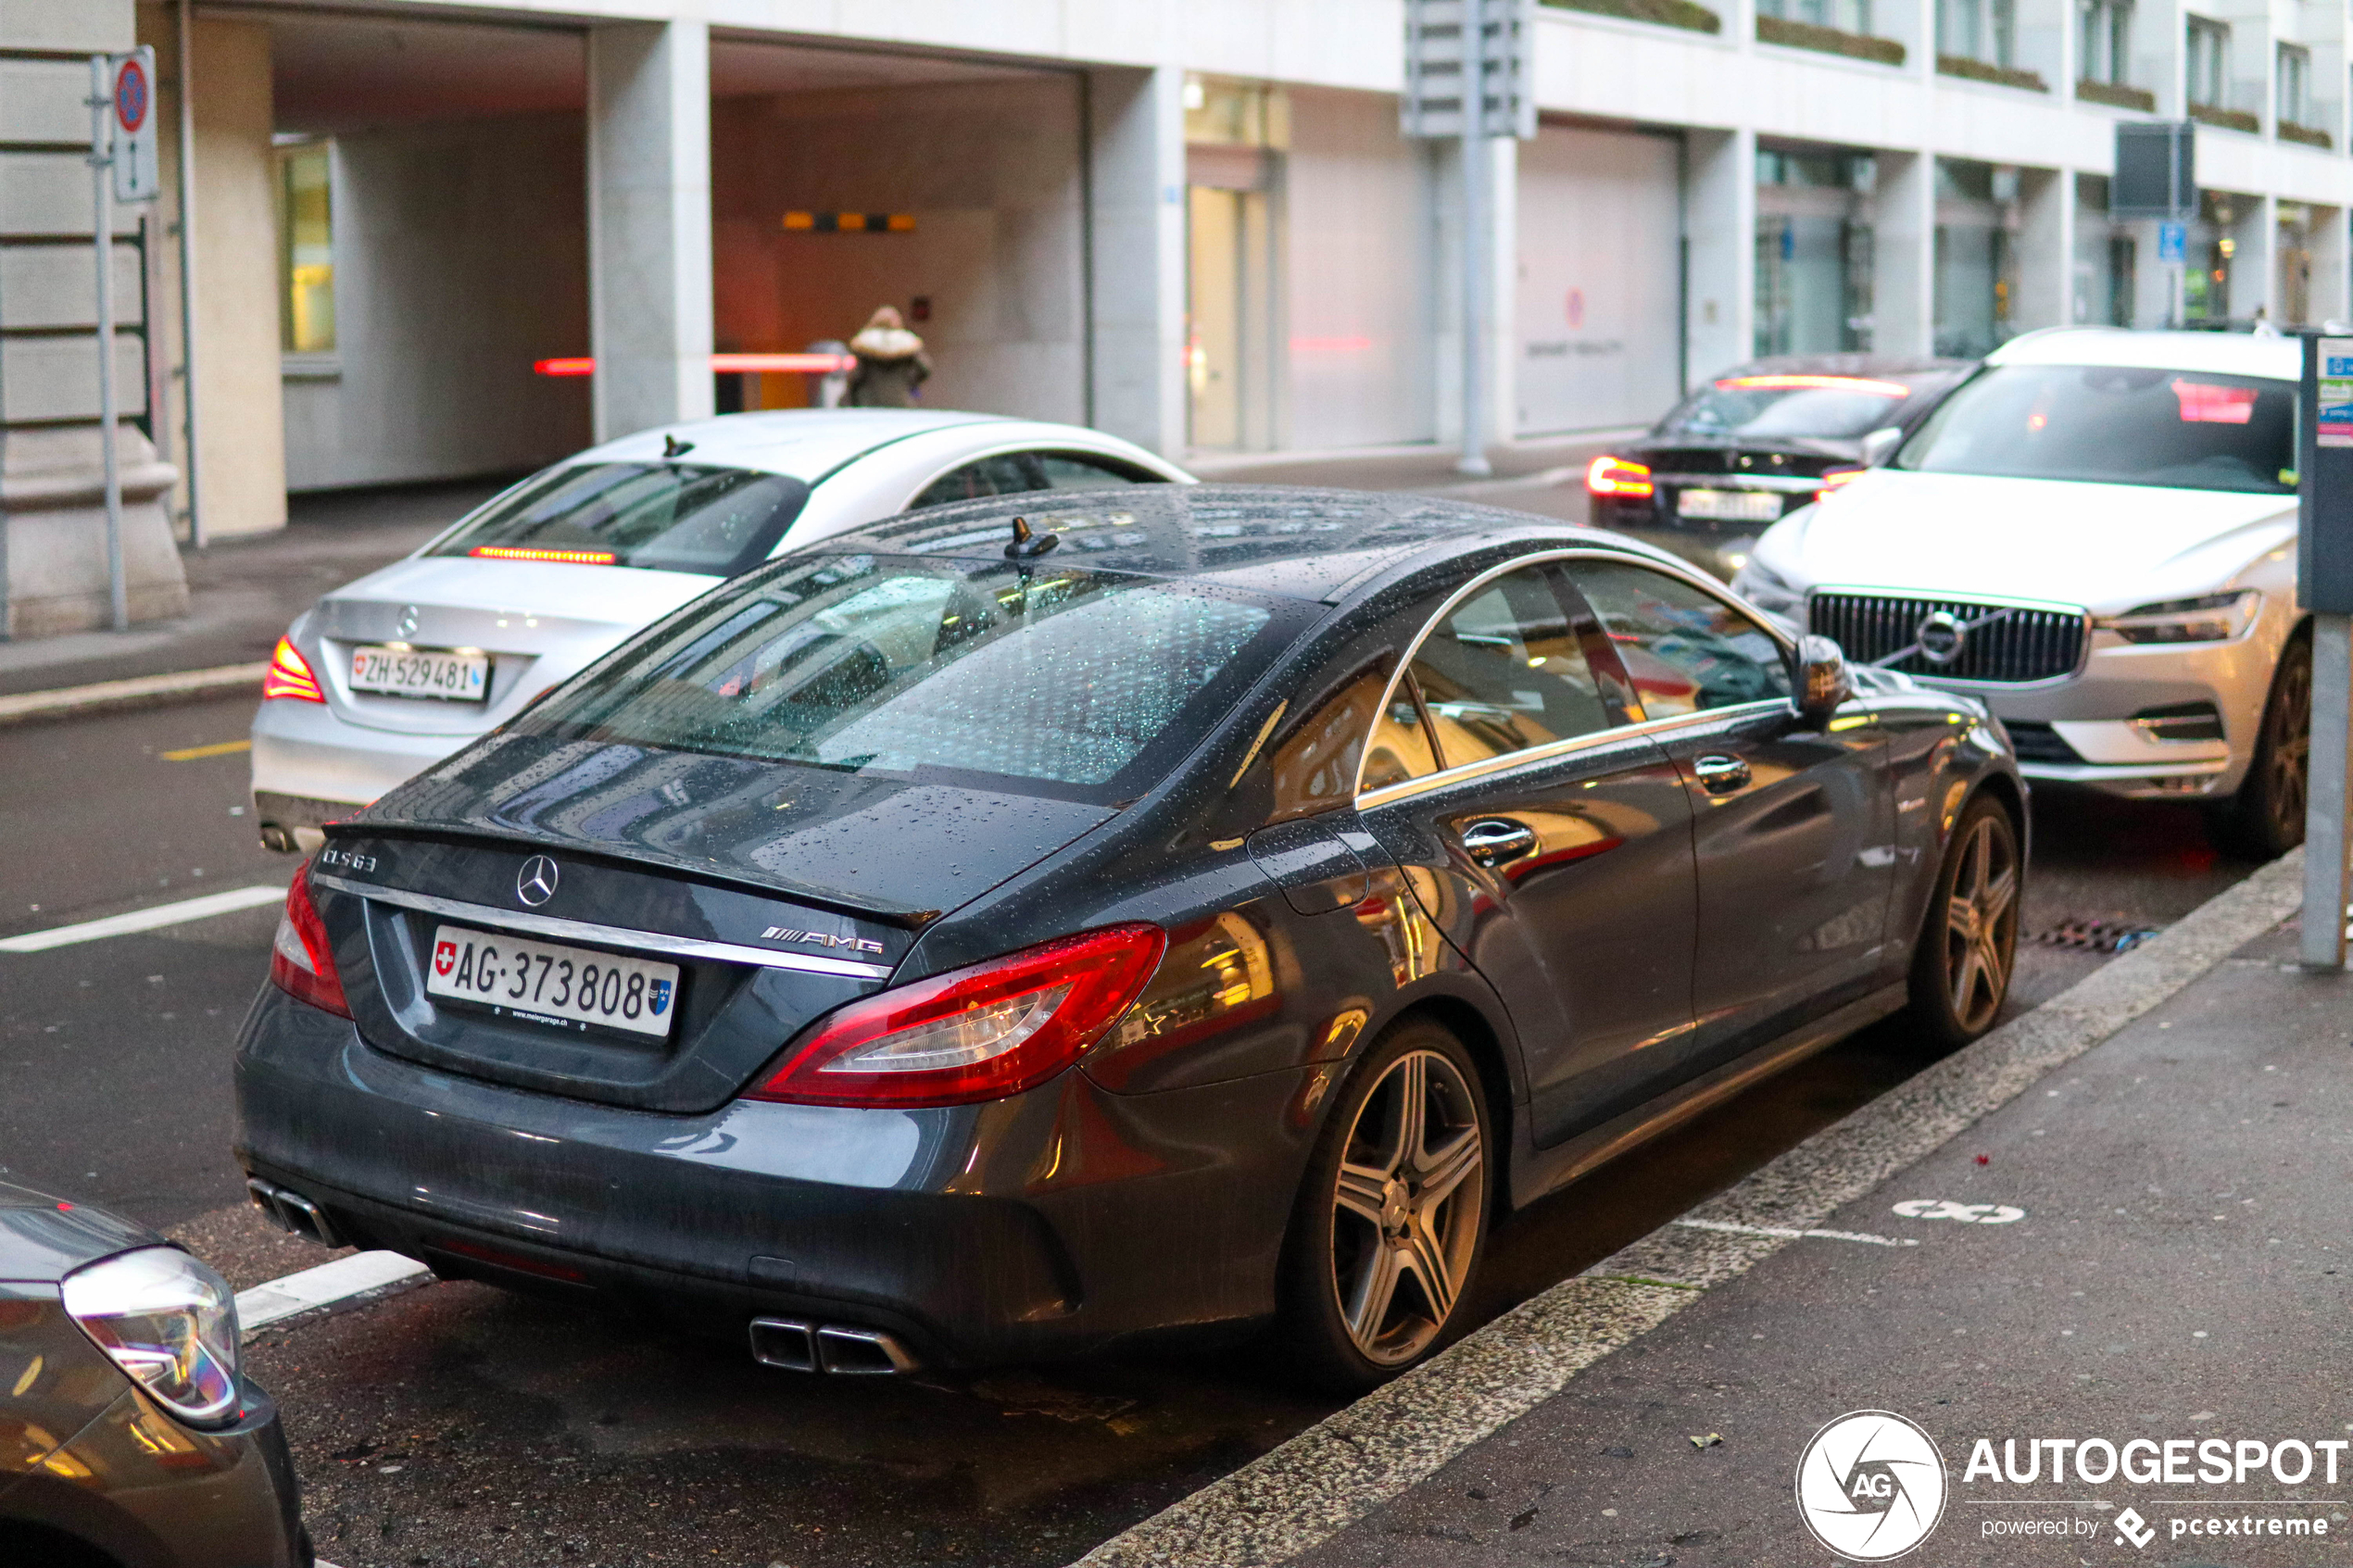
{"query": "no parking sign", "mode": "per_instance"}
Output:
(137, 176)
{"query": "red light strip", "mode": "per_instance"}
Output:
(527, 552)
(726, 364)
(1813, 384)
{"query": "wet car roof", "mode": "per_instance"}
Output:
(1308, 543)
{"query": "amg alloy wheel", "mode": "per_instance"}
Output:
(1968, 942)
(2265, 819)
(1394, 1212)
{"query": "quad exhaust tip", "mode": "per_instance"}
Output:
(293, 1213)
(796, 1346)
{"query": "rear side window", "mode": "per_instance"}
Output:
(1084, 684)
(1506, 670)
(664, 517)
(1013, 473)
(1082, 471)
(1007, 473)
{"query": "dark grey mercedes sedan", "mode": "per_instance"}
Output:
(1047, 922)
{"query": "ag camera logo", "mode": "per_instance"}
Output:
(1871, 1485)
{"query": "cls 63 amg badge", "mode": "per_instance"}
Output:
(820, 938)
(1871, 1485)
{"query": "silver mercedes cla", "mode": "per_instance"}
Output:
(387, 675)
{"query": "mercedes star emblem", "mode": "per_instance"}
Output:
(1941, 638)
(536, 884)
(406, 627)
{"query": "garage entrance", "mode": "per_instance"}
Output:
(843, 180)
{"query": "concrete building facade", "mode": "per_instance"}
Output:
(1191, 222)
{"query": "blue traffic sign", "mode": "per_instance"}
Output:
(2172, 242)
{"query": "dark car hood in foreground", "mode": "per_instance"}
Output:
(43, 1238)
(905, 850)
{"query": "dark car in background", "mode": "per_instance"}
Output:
(128, 1438)
(1044, 923)
(1761, 440)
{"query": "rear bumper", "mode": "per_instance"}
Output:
(1057, 1222)
(305, 750)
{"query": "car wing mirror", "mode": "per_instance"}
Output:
(1881, 445)
(1823, 680)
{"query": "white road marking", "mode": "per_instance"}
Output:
(187, 909)
(1966, 1213)
(322, 1287)
(1863, 1236)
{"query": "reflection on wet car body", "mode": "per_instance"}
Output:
(1193, 909)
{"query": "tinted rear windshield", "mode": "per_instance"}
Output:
(2106, 424)
(666, 517)
(1822, 407)
(1089, 685)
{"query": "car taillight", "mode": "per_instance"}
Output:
(301, 963)
(1615, 476)
(1837, 479)
(289, 675)
(977, 1033)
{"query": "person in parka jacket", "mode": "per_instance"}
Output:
(891, 363)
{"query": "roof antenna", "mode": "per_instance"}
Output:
(673, 448)
(1027, 544)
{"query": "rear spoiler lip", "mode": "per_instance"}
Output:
(832, 900)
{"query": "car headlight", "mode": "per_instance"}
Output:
(1767, 589)
(2216, 618)
(168, 1322)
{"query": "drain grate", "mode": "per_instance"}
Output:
(2095, 935)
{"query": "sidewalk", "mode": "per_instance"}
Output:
(243, 592)
(2124, 1216)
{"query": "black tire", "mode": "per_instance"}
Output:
(1410, 1212)
(1968, 948)
(2265, 819)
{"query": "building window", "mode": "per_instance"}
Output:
(2295, 84)
(2209, 49)
(306, 249)
(2104, 41)
(1845, 15)
(1978, 30)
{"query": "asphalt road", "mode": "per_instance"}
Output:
(457, 1425)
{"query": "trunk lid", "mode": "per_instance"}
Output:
(778, 893)
(538, 622)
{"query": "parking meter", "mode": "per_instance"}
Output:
(2325, 587)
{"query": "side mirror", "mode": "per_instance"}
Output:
(1823, 680)
(1881, 445)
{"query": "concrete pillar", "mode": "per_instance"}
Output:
(1503, 357)
(1719, 233)
(2254, 265)
(1904, 271)
(1136, 256)
(2046, 249)
(650, 297)
(2330, 261)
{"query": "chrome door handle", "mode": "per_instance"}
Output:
(1722, 775)
(1497, 841)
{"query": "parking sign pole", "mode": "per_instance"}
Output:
(102, 201)
(2324, 587)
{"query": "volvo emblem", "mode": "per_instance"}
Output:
(536, 884)
(406, 627)
(1941, 638)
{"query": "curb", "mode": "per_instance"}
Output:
(1296, 1496)
(142, 691)
(359, 1280)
